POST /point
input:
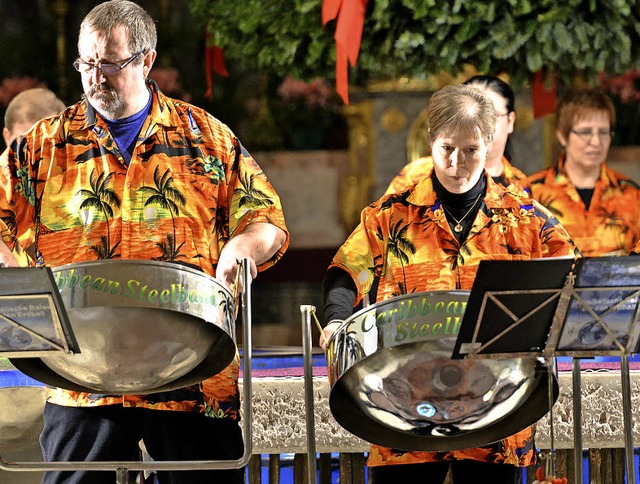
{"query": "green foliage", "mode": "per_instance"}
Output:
(417, 38)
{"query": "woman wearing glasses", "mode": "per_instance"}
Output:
(599, 207)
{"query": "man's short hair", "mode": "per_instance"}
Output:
(107, 16)
(31, 106)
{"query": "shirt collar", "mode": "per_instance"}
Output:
(161, 113)
(424, 195)
(561, 177)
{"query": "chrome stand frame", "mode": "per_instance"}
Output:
(577, 419)
(307, 345)
(121, 468)
(628, 419)
(627, 413)
(551, 463)
(564, 295)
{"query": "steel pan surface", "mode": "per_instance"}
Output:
(141, 326)
(394, 383)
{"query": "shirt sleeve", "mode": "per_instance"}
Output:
(17, 200)
(339, 294)
(250, 198)
(556, 241)
(361, 256)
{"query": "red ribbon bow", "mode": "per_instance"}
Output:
(543, 99)
(213, 64)
(349, 24)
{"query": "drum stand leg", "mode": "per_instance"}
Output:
(247, 389)
(307, 311)
(628, 419)
(577, 420)
(550, 465)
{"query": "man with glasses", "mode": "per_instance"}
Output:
(599, 207)
(123, 145)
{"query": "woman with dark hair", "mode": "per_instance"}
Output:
(432, 237)
(503, 97)
(497, 165)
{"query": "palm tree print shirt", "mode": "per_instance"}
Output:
(404, 240)
(611, 225)
(190, 186)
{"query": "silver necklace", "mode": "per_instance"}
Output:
(458, 226)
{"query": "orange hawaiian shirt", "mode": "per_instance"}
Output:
(405, 241)
(611, 225)
(189, 187)
(415, 171)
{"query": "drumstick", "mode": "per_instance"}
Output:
(322, 338)
(236, 286)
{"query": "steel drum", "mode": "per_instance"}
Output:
(141, 326)
(21, 408)
(394, 383)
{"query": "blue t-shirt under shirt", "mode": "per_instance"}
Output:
(125, 131)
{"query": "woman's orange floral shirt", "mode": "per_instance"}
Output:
(611, 225)
(404, 240)
(190, 186)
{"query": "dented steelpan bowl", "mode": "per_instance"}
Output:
(394, 383)
(141, 327)
(21, 409)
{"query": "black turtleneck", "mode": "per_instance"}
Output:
(586, 194)
(456, 205)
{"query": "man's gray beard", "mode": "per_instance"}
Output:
(106, 103)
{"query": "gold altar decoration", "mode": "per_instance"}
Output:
(355, 191)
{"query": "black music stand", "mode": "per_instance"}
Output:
(33, 320)
(593, 311)
(508, 296)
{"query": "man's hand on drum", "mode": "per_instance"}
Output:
(228, 267)
(7, 259)
(258, 242)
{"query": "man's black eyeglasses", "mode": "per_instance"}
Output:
(107, 68)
